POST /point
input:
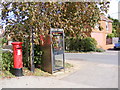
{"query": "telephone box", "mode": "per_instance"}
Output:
(17, 54)
(53, 51)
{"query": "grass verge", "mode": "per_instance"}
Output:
(27, 72)
(97, 50)
(6, 74)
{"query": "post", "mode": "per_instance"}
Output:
(32, 67)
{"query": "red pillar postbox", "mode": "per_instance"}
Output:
(18, 64)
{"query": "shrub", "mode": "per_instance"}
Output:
(80, 44)
(4, 40)
(26, 54)
(37, 55)
(110, 35)
(7, 60)
(100, 50)
(89, 44)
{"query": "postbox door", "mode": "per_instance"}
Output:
(18, 58)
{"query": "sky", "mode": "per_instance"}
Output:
(113, 10)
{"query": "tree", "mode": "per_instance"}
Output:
(115, 27)
(76, 18)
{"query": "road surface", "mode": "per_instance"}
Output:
(108, 57)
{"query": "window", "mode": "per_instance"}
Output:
(0, 31)
(97, 26)
(107, 26)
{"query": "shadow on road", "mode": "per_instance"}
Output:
(112, 49)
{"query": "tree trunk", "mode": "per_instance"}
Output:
(31, 51)
(26, 60)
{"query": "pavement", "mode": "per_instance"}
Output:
(91, 70)
(39, 82)
(99, 75)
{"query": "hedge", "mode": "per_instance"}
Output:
(80, 44)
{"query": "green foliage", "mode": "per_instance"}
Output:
(100, 50)
(115, 27)
(100, 28)
(37, 55)
(111, 35)
(7, 60)
(89, 44)
(80, 44)
(21, 18)
(6, 74)
(73, 17)
(26, 55)
(4, 40)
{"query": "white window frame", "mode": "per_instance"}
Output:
(97, 26)
(107, 26)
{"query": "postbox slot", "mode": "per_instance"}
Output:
(19, 48)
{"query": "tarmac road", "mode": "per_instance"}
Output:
(108, 57)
